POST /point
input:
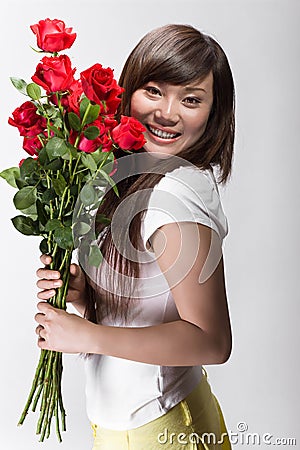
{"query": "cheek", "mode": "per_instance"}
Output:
(200, 124)
(197, 128)
(136, 106)
(134, 111)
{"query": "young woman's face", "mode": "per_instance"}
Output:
(174, 116)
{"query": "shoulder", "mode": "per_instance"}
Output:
(189, 177)
(186, 193)
(193, 187)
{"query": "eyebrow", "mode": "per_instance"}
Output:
(191, 88)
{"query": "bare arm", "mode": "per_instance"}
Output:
(202, 336)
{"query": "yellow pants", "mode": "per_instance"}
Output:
(196, 423)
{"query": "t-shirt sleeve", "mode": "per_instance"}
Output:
(186, 194)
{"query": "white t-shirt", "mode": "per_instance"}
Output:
(123, 394)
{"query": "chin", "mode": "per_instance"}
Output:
(159, 154)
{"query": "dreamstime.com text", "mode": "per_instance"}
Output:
(240, 437)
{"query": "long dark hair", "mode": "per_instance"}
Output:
(176, 54)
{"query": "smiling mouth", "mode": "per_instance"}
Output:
(162, 134)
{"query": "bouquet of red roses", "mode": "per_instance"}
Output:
(70, 131)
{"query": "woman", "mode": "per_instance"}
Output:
(148, 334)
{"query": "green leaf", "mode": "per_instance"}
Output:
(28, 167)
(10, 175)
(57, 131)
(51, 110)
(74, 190)
(25, 197)
(48, 195)
(44, 246)
(88, 195)
(55, 164)
(92, 114)
(88, 111)
(21, 183)
(110, 181)
(30, 211)
(81, 228)
(53, 224)
(84, 103)
(88, 161)
(34, 91)
(68, 221)
(59, 185)
(41, 213)
(19, 84)
(57, 122)
(95, 256)
(63, 237)
(72, 153)
(109, 163)
(98, 156)
(43, 156)
(74, 121)
(91, 133)
(24, 225)
(56, 147)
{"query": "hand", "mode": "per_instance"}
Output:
(63, 332)
(50, 280)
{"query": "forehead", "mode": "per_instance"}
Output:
(204, 85)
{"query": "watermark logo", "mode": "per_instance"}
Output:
(241, 437)
(173, 204)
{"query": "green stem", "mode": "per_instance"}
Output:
(45, 397)
(33, 387)
(61, 110)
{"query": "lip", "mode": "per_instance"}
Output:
(165, 130)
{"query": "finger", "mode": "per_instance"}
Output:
(46, 259)
(47, 274)
(40, 318)
(38, 331)
(44, 307)
(75, 270)
(45, 295)
(49, 284)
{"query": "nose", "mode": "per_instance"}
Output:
(167, 112)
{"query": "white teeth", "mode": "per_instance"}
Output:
(162, 134)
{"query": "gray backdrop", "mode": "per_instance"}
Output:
(258, 387)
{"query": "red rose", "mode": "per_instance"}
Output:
(103, 140)
(52, 35)
(129, 134)
(31, 145)
(87, 145)
(72, 101)
(110, 122)
(84, 144)
(54, 73)
(28, 122)
(106, 143)
(100, 86)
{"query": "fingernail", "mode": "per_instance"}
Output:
(56, 283)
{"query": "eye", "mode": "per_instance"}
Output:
(192, 101)
(152, 90)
